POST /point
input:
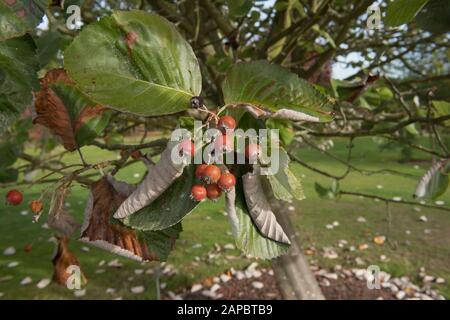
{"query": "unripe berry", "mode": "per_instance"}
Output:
(212, 174)
(14, 197)
(227, 181)
(198, 192)
(186, 147)
(200, 170)
(224, 143)
(36, 206)
(213, 191)
(226, 123)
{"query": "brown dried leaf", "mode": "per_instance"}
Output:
(97, 229)
(63, 259)
(56, 75)
(50, 109)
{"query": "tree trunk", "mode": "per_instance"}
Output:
(293, 274)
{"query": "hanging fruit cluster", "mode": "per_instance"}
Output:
(213, 182)
(212, 179)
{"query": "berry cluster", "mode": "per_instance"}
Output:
(214, 181)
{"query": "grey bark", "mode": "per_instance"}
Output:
(294, 276)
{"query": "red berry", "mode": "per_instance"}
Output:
(224, 143)
(200, 171)
(252, 152)
(14, 197)
(186, 147)
(213, 191)
(227, 181)
(136, 154)
(198, 192)
(212, 174)
(226, 123)
(36, 206)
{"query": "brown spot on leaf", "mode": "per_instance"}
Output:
(10, 2)
(130, 39)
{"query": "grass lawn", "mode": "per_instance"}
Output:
(411, 243)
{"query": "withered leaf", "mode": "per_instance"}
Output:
(63, 116)
(63, 259)
(100, 230)
(51, 111)
(58, 218)
(56, 75)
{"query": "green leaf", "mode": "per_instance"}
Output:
(435, 16)
(285, 185)
(20, 16)
(403, 11)
(263, 84)
(239, 8)
(169, 208)
(435, 181)
(286, 131)
(10, 24)
(411, 129)
(71, 97)
(249, 239)
(92, 128)
(8, 175)
(442, 109)
(114, 138)
(18, 77)
(9, 152)
(161, 242)
(49, 44)
(134, 62)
